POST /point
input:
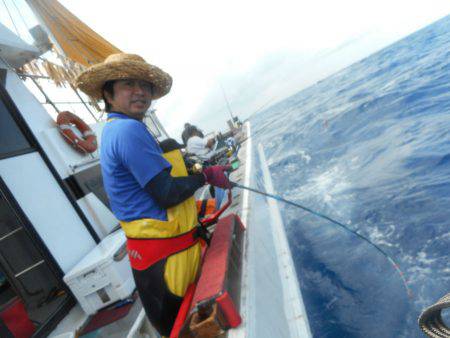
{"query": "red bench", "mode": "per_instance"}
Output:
(211, 306)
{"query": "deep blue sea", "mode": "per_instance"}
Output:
(370, 147)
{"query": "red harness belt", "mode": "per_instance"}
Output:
(144, 252)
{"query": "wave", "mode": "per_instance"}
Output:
(369, 146)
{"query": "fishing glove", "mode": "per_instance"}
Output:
(215, 175)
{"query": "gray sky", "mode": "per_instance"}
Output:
(259, 51)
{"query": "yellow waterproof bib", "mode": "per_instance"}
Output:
(181, 269)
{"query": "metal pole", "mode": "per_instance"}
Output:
(84, 103)
(33, 76)
(156, 122)
(47, 99)
(63, 102)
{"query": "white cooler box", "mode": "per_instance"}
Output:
(103, 276)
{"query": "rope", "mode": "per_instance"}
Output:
(12, 20)
(20, 15)
(430, 321)
(389, 258)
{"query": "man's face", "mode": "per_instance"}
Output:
(131, 97)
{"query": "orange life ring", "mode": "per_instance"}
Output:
(86, 144)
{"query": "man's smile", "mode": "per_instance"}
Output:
(140, 101)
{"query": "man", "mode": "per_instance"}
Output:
(198, 145)
(149, 191)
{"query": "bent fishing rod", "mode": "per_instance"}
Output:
(320, 215)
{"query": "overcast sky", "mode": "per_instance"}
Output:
(259, 51)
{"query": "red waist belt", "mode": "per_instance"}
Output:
(144, 252)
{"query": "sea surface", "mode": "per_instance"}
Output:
(369, 147)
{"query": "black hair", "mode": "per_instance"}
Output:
(169, 144)
(193, 130)
(108, 87)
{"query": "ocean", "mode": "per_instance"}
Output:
(370, 147)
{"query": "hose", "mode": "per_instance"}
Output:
(430, 321)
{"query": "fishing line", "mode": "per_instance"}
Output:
(318, 214)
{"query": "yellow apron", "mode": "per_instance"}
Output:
(181, 268)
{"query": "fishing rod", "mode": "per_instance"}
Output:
(320, 215)
(228, 103)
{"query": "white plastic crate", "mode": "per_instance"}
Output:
(104, 276)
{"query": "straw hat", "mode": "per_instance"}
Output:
(123, 66)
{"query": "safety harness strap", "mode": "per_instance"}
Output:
(144, 252)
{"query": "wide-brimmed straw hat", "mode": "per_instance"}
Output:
(123, 66)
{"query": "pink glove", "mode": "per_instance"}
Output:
(215, 175)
